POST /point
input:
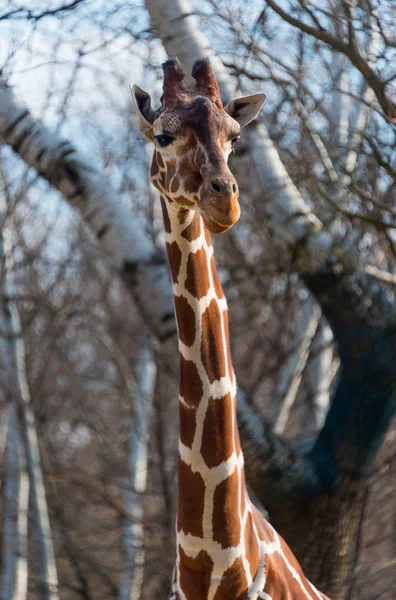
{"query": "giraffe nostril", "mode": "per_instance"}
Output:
(234, 188)
(216, 187)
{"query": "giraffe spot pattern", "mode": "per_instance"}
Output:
(185, 320)
(154, 170)
(182, 214)
(226, 524)
(192, 490)
(160, 160)
(215, 278)
(190, 388)
(174, 257)
(243, 488)
(237, 441)
(167, 223)
(193, 231)
(251, 544)
(228, 350)
(195, 574)
(277, 578)
(233, 584)
(228, 502)
(162, 179)
(174, 185)
(263, 530)
(217, 439)
(197, 280)
(212, 353)
(187, 424)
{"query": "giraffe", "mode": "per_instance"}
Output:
(226, 550)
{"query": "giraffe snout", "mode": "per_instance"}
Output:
(219, 204)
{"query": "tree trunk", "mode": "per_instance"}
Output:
(19, 386)
(15, 520)
(322, 533)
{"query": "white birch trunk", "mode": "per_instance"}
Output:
(292, 371)
(47, 570)
(120, 233)
(133, 538)
(14, 575)
(319, 376)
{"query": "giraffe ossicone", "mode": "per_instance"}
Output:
(226, 550)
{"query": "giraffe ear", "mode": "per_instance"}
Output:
(144, 111)
(246, 108)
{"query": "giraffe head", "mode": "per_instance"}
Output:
(193, 136)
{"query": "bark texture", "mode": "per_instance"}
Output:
(23, 419)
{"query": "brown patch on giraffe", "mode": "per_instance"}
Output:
(212, 351)
(193, 231)
(228, 350)
(192, 184)
(182, 215)
(191, 501)
(160, 160)
(187, 424)
(278, 582)
(195, 574)
(167, 223)
(191, 181)
(251, 545)
(226, 524)
(264, 531)
(197, 280)
(217, 441)
(233, 584)
(184, 201)
(216, 281)
(190, 382)
(154, 170)
(162, 179)
(185, 320)
(174, 185)
(174, 256)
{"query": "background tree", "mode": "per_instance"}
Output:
(318, 189)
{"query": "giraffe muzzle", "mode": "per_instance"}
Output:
(219, 204)
(218, 221)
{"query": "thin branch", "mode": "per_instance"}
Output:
(353, 53)
(24, 13)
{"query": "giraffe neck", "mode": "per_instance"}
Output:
(226, 550)
(212, 517)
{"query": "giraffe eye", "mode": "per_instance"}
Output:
(163, 139)
(235, 140)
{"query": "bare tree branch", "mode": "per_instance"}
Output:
(352, 52)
